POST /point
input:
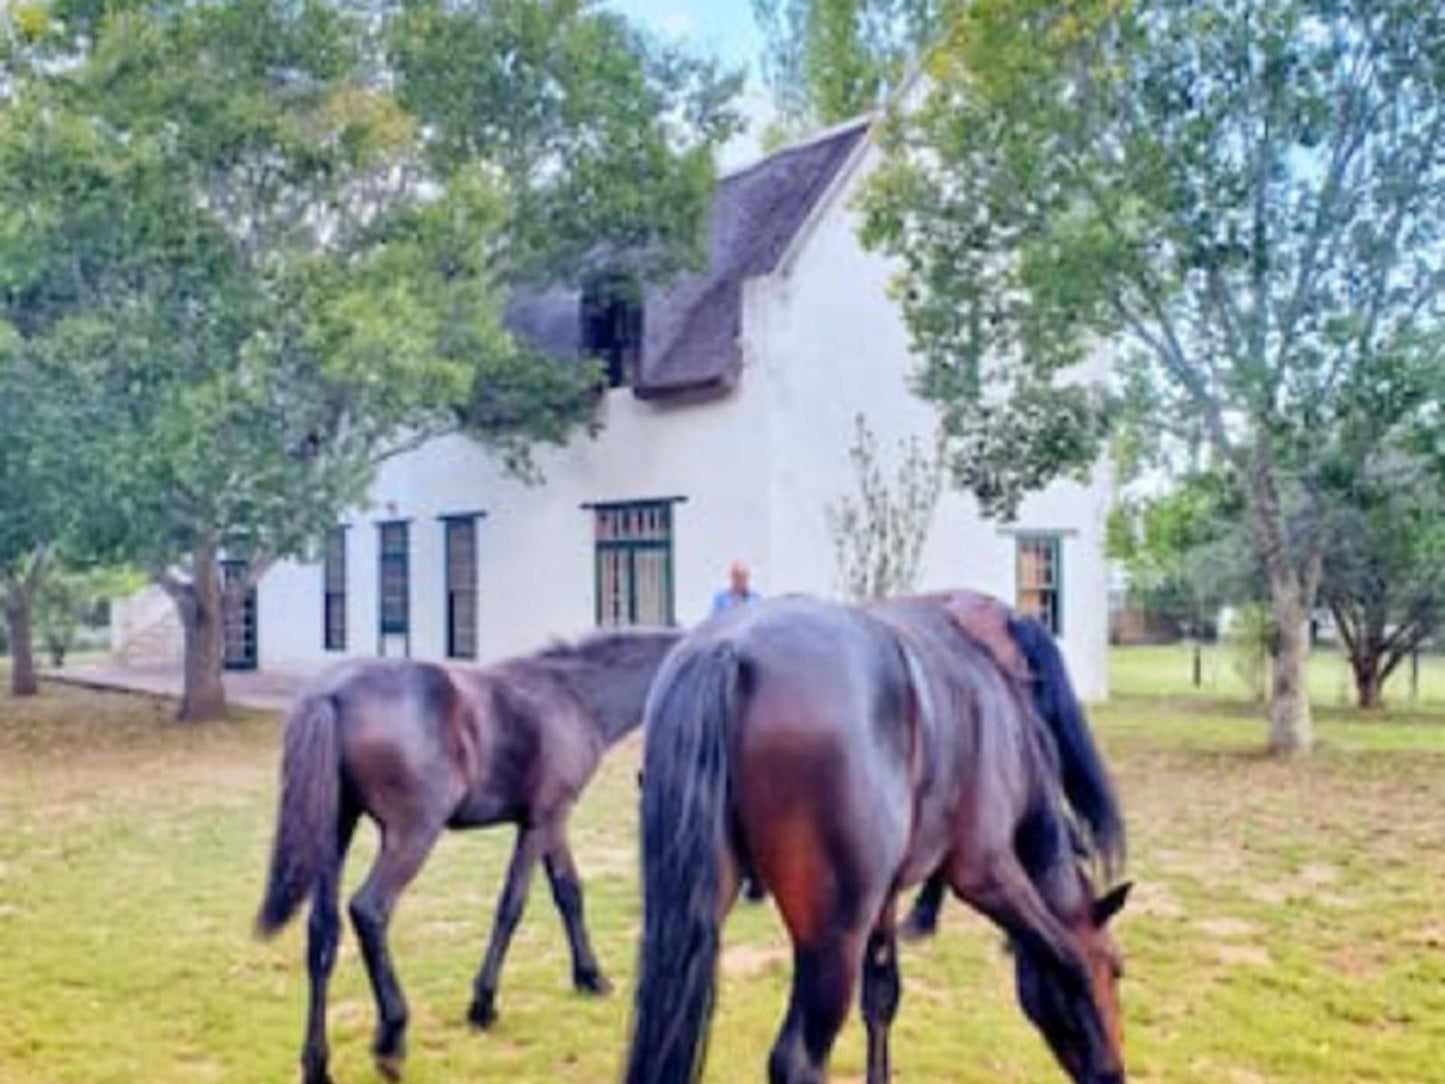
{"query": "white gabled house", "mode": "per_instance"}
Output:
(725, 437)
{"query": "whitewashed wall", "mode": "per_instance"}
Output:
(535, 546)
(830, 344)
(821, 342)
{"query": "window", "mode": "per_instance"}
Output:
(395, 608)
(461, 586)
(612, 327)
(238, 617)
(333, 578)
(634, 563)
(1040, 579)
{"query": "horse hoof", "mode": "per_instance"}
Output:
(592, 982)
(313, 1071)
(389, 1066)
(483, 1012)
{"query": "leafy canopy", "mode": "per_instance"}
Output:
(1244, 203)
(279, 238)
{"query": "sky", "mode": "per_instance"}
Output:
(726, 30)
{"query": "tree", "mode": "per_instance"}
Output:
(50, 411)
(878, 536)
(318, 260)
(829, 60)
(70, 598)
(1243, 202)
(31, 518)
(1183, 553)
(1384, 568)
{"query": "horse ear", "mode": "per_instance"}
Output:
(1111, 903)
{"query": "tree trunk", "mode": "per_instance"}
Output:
(1291, 725)
(1370, 689)
(1292, 588)
(203, 694)
(18, 620)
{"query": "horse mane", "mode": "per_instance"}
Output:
(608, 673)
(605, 648)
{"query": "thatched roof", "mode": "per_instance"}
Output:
(691, 324)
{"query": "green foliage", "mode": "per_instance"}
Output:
(274, 242)
(602, 140)
(284, 271)
(829, 60)
(69, 600)
(1242, 206)
(1384, 566)
(1184, 552)
(1245, 201)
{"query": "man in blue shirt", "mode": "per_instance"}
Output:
(737, 593)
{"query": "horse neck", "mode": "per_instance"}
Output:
(611, 674)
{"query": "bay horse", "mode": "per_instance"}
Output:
(837, 755)
(419, 748)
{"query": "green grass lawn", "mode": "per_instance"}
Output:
(1288, 923)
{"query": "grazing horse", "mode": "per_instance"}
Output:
(1024, 647)
(419, 748)
(838, 755)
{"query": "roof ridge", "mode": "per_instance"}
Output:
(862, 120)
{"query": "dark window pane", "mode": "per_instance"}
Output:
(334, 591)
(395, 574)
(461, 588)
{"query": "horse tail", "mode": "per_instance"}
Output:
(1085, 778)
(685, 797)
(307, 812)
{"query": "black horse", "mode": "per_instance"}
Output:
(420, 748)
(838, 755)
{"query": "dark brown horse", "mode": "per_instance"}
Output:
(838, 755)
(420, 748)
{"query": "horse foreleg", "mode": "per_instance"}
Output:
(530, 844)
(881, 994)
(567, 894)
(402, 855)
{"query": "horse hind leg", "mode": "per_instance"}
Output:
(922, 920)
(323, 935)
(401, 857)
(824, 974)
(882, 991)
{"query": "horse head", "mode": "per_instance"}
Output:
(1077, 1008)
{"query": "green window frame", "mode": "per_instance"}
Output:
(1039, 580)
(333, 591)
(394, 579)
(633, 562)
